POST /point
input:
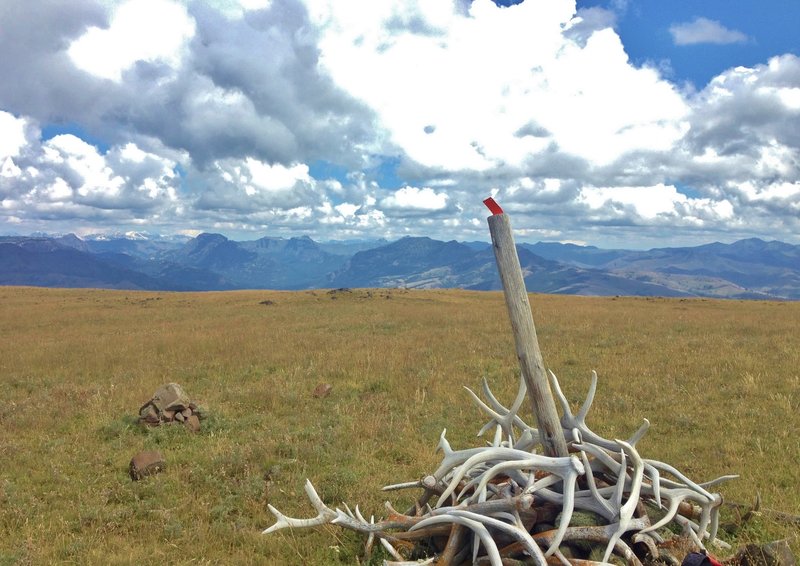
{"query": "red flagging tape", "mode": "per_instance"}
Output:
(493, 207)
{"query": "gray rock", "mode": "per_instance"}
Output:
(146, 463)
(775, 553)
(200, 411)
(192, 422)
(148, 414)
(171, 396)
(322, 390)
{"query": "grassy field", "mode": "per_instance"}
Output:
(719, 381)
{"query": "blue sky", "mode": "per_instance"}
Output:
(622, 123)
(770, 29)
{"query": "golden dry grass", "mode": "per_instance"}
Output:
(719, 380)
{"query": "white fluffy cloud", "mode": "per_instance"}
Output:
(703, 30)
(497, 86)
(139, 30)
(12, 139)
(343, 119)
(250, 183)
(658, 203)
(65, 177)
(416, 200)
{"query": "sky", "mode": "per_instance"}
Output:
(615, 123)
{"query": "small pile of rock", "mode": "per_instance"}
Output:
(170, 404)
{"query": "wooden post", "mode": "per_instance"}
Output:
(528, 352)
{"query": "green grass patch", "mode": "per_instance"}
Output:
(718, 380)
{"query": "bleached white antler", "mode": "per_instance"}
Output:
(625, 514)
(324, 514)
(505, 418)
(569, 421)
(475, 526)
(515, 529)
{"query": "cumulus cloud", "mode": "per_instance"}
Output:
(66, 178)
(660, 203)
(107, 52)
(415, 200)
(33, 50)
(13, 138)
(382, 119)
(478, 116)
(703, 30)
(250, 184)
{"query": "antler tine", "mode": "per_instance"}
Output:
(593, 488)
(719, 480)
(601, 455)
(515, 406)
(537, 555)
(452, 458)
(498, 435)
(444, 445)
(388, 546)
(515, 530)
(655, 482)
(639, 434)
(404, 485)
(693, 530)
(499, 414)
(570, 421)
(689, 530)
(705, 518)
(587, 404)
(482, 455)
(619, 487)
(674, 497)
(496, 417)
(570, 478)
(715, 520)
(687, 482)
(604, 460)
(560, 394)
(324, 514)
(625, 514)
(478, 528)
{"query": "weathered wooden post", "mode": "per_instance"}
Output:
(527, 344)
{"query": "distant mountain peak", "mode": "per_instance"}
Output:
(210, 237)
(69, 238)
(131, 235)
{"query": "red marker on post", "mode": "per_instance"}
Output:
(493, 207)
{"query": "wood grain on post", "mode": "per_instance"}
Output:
(527, 344)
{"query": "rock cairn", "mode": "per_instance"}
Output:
(170, 404)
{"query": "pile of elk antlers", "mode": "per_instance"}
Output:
(504, 503)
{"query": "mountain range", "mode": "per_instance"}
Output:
(747, 269)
